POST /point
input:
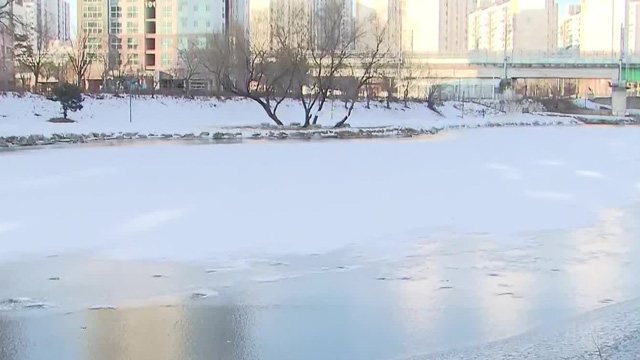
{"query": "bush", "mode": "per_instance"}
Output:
(69, 96)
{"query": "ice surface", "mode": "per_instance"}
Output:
(201, 202)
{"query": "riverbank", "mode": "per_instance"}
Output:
(23, 120)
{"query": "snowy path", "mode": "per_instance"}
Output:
(411, 246)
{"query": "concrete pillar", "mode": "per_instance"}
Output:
(618, 98)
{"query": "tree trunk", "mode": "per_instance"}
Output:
(64, 112)
(406, 95)
(276, 120)
(341, 123)
(322, 101)
(368, 98)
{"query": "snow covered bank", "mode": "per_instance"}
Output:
(27, 115)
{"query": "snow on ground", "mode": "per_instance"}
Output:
(454, 240)
(583, 103)
(27, 115)
(135, 201)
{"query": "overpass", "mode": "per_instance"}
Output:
(521, 65)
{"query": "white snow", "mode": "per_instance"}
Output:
(27, 115)
(474, 208)
(590, 105)
(209, 201)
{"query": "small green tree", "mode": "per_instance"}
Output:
(69, 96)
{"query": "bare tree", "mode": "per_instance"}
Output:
(250, 69)
(409, 73)
(188, 66)
(334, 41)
(32, 50)
(81, 56)
(115, 69)
(388, 85)
(8, 20)
(368, 65)
(434, 96)
(49, 71)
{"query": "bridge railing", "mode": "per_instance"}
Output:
(560, 57)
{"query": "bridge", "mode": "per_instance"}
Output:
(527, 65)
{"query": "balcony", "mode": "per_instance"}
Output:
(150, 27)
(150, 44)
(150, 12)
(150, 61)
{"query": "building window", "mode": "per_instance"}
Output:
(195, 8)
(184, 22)
(92, 27)
(132, 27)
(116, 28)
(201, 42)
(182, 44)
(166, 43)
(166, 27)
(195, 23)
(93, 44)
(166, 11)
(132, 11)
(116, 12)
(115, 43)
(208, 8)
(134, 59)
(132, 43)
(166, 59)
(208, 23)
(91, 12)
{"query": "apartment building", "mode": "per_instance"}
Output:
(64, 21)
(513, 26)
(323, 20)
(48, 18)
(634, 27)
(601, 25)
(259, 29)
(421, 26)
(145, 37)
(569, 29)
(453, 25)
(371, 17)
(14, 9)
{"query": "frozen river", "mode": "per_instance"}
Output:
(495, 243)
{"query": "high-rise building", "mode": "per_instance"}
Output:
(146, 36)
(42, 18)
(601, 25)
(569, 29)
(325, 15)
(63, 21)
(14, 10)
(372, 17)
(259, 29)
(429, 26)
(453, 25)
(291, 18)
(634, 26)
(513, 26)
